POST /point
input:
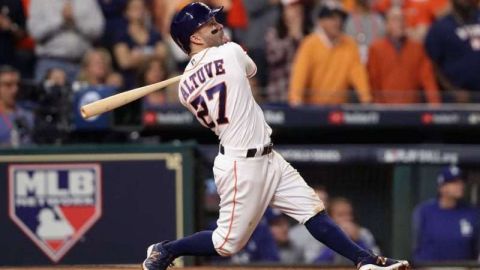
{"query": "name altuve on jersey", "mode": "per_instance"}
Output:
(195, 80)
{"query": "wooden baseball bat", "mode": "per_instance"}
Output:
(120, 99)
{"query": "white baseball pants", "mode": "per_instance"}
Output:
(247, 186)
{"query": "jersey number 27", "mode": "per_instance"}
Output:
(202, 109)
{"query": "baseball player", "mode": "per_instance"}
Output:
(248, 173)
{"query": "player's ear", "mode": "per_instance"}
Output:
(196, 39)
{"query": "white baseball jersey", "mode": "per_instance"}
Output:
(215, 88)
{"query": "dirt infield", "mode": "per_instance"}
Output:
(137, 267)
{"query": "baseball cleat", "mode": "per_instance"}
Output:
(158, 258)
(382, 263)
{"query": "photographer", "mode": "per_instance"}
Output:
(16, 123)
(53, 108)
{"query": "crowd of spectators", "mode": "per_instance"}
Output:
(312, 52)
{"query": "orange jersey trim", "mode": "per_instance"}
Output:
(234, 204)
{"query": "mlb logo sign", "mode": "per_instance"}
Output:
(55, 204)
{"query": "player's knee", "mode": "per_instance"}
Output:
(230, 248)
(228, 244)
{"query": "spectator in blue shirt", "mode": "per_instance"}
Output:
(16, 123)
(453, 44)
(445, 228)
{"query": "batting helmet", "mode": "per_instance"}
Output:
(188, 20)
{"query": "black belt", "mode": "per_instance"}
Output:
(267, 149)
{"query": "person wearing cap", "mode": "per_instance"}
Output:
(327, 63)
(446, 228)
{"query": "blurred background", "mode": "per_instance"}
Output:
(375, 102)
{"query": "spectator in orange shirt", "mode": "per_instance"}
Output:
(399, 67)
(327, 63)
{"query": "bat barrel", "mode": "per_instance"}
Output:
(118, 100)
(91, 110)
(84, 113)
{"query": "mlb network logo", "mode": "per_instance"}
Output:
(55, 204)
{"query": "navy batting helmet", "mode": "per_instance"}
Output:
(188, 20)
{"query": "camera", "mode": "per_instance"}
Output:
(51, 105)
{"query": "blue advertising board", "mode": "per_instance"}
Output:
(85, 96)
(90, 208)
